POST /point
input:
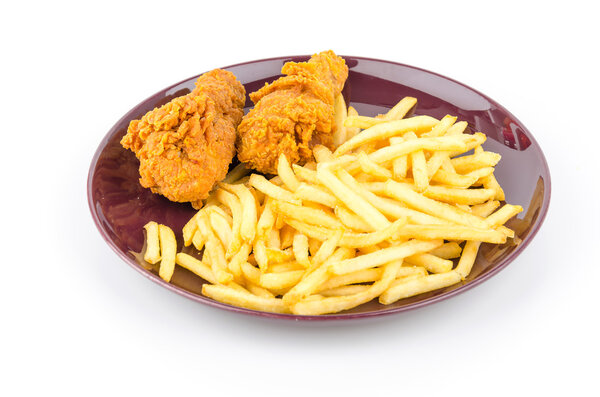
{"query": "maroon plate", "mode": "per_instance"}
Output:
(121, 207)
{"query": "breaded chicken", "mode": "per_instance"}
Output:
(186, 145)
(293, 113)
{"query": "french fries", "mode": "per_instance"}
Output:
(396, 210)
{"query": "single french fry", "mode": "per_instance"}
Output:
(485, 209)
(400, 167)
(325, 250)
(285, 172)
(383, 256)
(237, 173)
(457, 128)
(315, 194)
(221, 228)
(440, 128)
(285, 267)
(280, 280)
(400, 109)
(260, 255)
(196, 266)
(503, 214)
(152, 254)
(261, 183)
(258, 291)
(389, 153)
(419, 170)
(198, 240)
(266, 221)
(303, 213)
(418, 286)
(459, 196)
(490, 182)
(435, 162)
(305, 173)
(351, 131)
(467, 259)
(356, 121)
(449, 250)
(465, 164)
(480, 174)
(407, 270)
(168, 252)
(359, 276)
(231, 296)
(344, 290)
(250, 272)
(451, 178)
(300, 249)
(472, 142)
(387, 129)
(352, 240)
(451, 232)
(430, 262)
(189, 230)
(339, 116)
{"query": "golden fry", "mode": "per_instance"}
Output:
(383, 256)
(300, 249)
(339, 116)
(286, 174)
(400, 109)
(168, 252)
(231, 296)
(196, 266)
(387, 129)
(418, 286)
(152, 254)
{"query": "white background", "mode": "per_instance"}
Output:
(76, 320)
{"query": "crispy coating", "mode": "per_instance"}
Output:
(186, 145)
(293, 113)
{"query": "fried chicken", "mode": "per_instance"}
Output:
(186, 146)
(293, 113)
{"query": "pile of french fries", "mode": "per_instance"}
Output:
(383, 216)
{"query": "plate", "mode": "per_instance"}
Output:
(120, 207)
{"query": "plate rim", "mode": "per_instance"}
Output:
(336, 316)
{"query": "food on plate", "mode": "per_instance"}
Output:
(293, 114)
(186, 145)
(397, 210)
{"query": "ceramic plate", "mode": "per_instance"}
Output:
(121, 207)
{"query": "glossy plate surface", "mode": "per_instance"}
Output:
(121, 207)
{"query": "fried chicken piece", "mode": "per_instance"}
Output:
(293, 113)
(186, 145)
